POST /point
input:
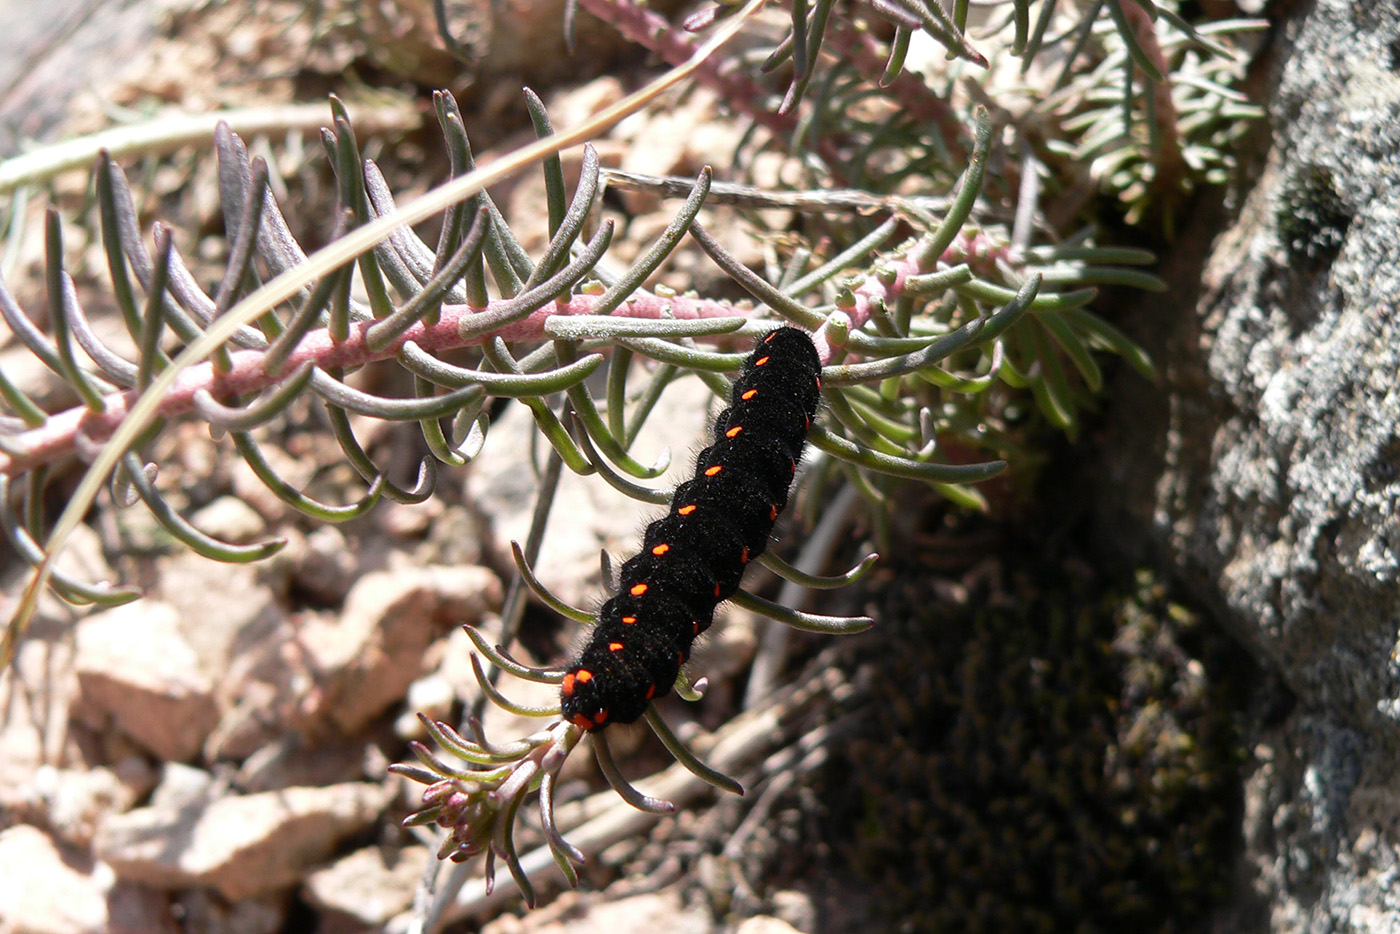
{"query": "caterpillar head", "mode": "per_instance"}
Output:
(581, 700)
(591, 698)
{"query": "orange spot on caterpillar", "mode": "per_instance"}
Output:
(638, 589)
(600, 717)
(770, 335)
(614, 646)
(734, 432)
(773, 513)
(582, 722)
(749, 394)
(711, 471)
(568, 685)
(661, 549)
(718, 592)
(744, 556)
(761, 361)
(685, 510)
(794, 466)
(584, 675)
(628, 620)
(651, 691)
(695, 628)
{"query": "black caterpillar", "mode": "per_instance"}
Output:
(693, 558)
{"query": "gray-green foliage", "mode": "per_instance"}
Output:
(924, 348)
(949, 303)
(1127, 96)
(901, 289)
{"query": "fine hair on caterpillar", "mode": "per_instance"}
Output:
(693, 558)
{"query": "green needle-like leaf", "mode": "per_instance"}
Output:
(505, 703)
(854, 373)
(686, 758)
(903, 467)
(545, 595)
(816, 582)
(598, 328)
(288, 494)
(603, 753)
(496, 384)
(807, 622)
(182, 529)
(509, 666)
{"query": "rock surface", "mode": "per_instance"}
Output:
(244, 846)
(42, 891)
(654, 911)
(370, 885)
(40, 688)
(765, 924)
(1268, 471)
(375, 649)
(77, 38)
(136, 669)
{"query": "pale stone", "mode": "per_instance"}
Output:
(371, 654)
(370, 885)
(136, 670)
(244, 846)
(41, 892)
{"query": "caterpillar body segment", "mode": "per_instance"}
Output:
(693, 558)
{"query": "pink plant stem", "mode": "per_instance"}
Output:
(654, 33)
(736, 91)
(78, 430)
(875, 290)
(1170, 163)
(911, 94)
